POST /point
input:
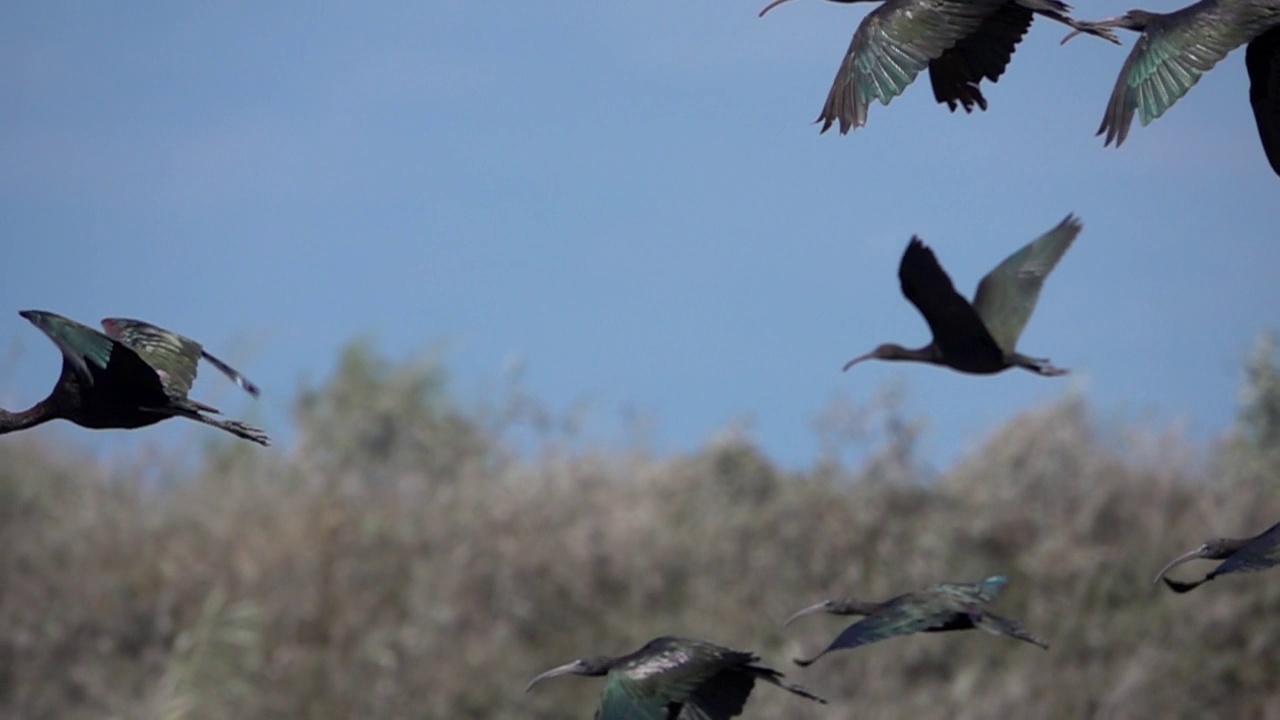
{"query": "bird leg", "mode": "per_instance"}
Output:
(1040, 366)
(1097, 28)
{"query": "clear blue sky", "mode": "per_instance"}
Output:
(627, 197)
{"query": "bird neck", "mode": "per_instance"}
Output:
(40, 413)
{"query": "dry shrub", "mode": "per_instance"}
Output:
(413, 568)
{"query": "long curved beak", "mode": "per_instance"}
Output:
(1193, 555)
(771, 6)
(565, 669)
(811, 610)
(855, 361)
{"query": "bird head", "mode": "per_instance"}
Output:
(887, 351)
(593, 666)
(835, 606)
(1215, 549)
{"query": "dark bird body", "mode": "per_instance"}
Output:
(959, 41)
(941, 608)
(133, 375)
(1251, 554)
(673, 677)
(1176, 48)
(978, 337)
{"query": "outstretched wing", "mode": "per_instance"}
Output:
(956, 326)
(1262, 553)
(891, 46)
(174, 355)
(85, 350)
(1166, 61)
(997, 625)
(1262, 58)
(1007, 295)
(95, 357)
(983, 54)
(902, 616)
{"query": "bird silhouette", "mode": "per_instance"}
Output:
(941, 608)
(133, 375)
(978, 337)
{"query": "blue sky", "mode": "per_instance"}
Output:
(628, 199)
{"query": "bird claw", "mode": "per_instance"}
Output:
(1044, 368)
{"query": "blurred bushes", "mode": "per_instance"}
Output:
(402, 563)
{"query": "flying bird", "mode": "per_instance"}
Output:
(1251, 554)
(941, 608)
(960, 41)
(133, 375)
(978, 337)
(1176, 48)
(670, 675)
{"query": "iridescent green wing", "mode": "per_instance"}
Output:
(86, 351)
(1007, 295)
(173, 356)
(891, 46)
(657, 681)
(1166, 61)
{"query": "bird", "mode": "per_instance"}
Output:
(960, 41)
(1251, 554)
(130, 376)
(1176, 48)
(978, 337)
(674, 674)
(941, 608)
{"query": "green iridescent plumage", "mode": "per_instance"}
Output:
(941, 608)
(674, 677)
(134, 375)
(1175, 49)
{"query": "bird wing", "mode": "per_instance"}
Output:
(621, 701)
(81, 345)
(985, 53)
(956, 326)
(1007, 295)
(175, 356)
(997, 625)
(901, 616)
(1262, 59)
(1166, 61)
(1261, 553)
(891, 46)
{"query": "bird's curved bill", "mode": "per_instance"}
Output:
(553, 672)
(771, 6)
(811, 610)
(1193, 555)
(855, 361)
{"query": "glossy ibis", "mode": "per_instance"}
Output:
(941, 608)
(1176, 48)
(134, 375)
(1251, 554)
(669, 674)
(960, 41)
(978, 337)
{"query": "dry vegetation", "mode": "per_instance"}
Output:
(402, 563)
